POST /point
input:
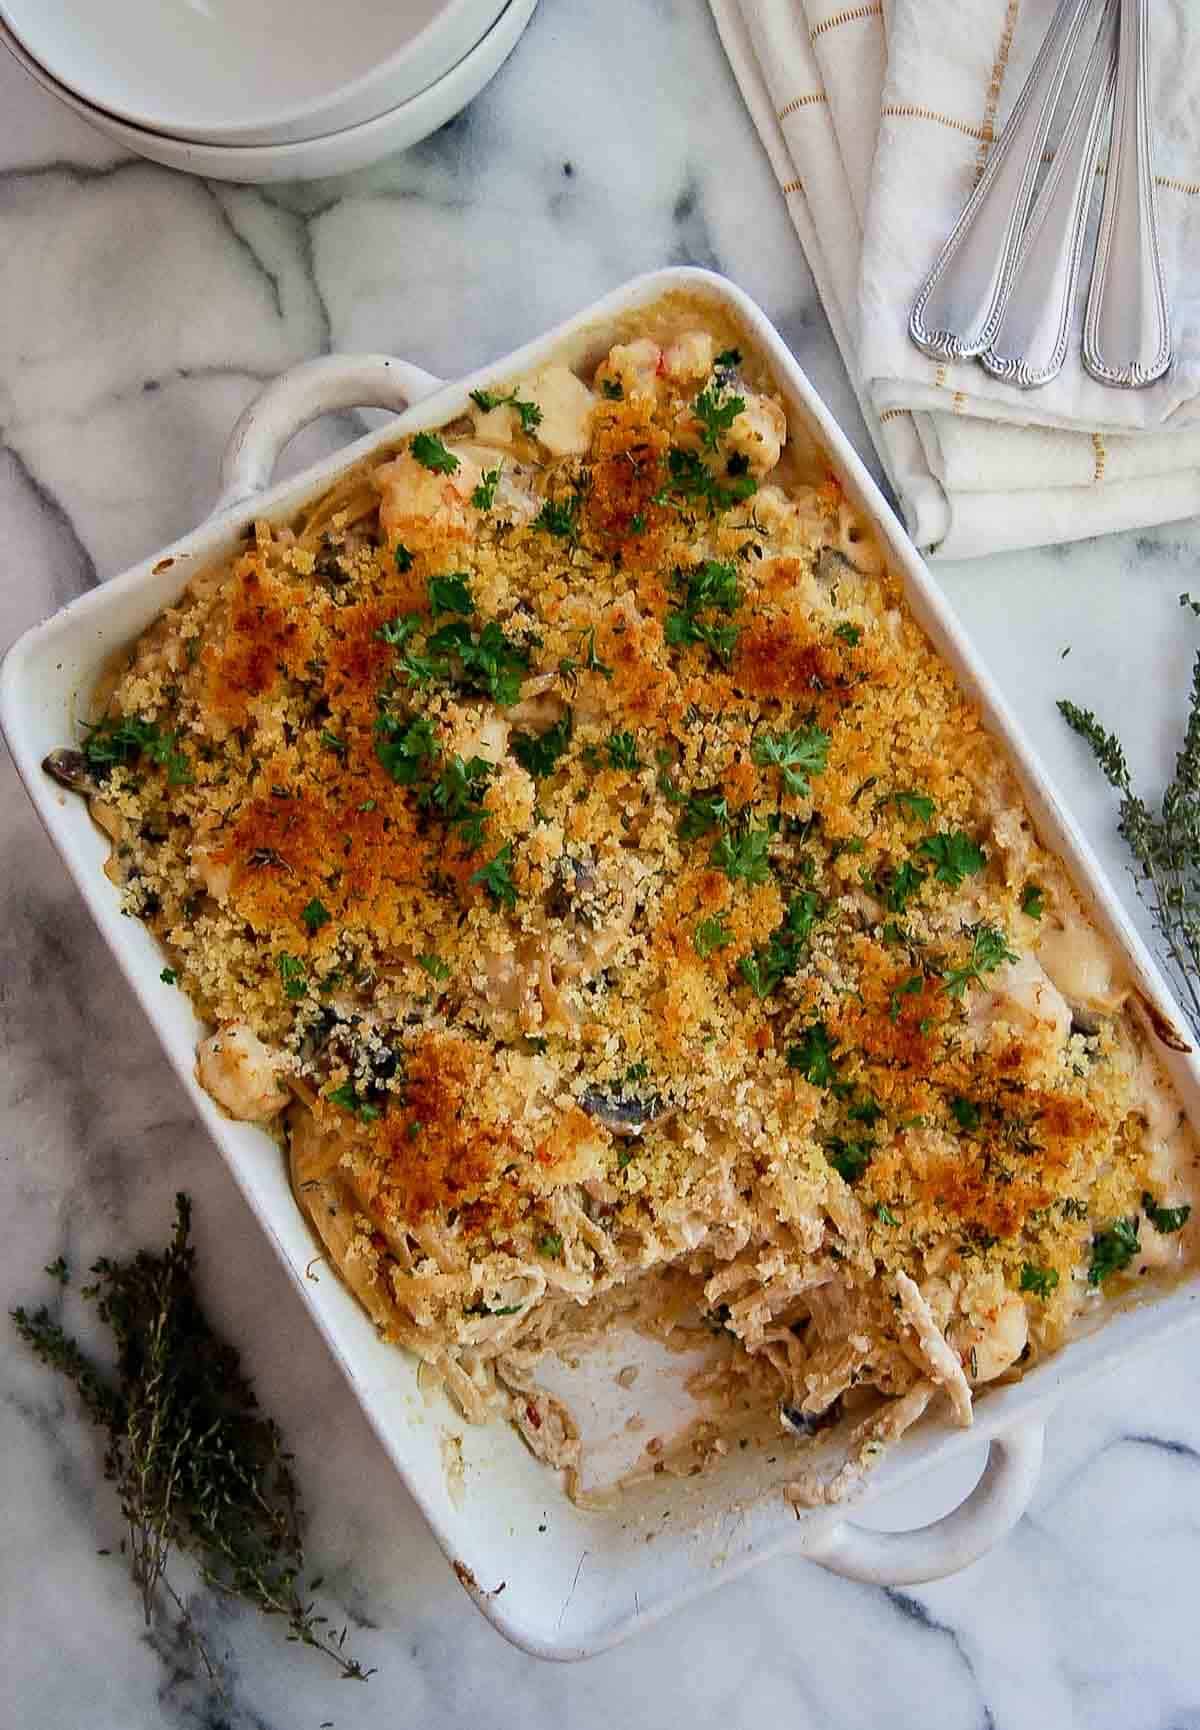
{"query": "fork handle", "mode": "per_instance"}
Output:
(1127, 325)
(959, 308)
(1031, 344)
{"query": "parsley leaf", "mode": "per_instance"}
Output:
(728, 359)
(848, 633)
(434, 966)
(529, 414)
(484, 495)
(612, 388)
(912, 987)
(849, 1158)
(559, 517)
(709, 586)
(292, 975)
(169, 976)
(798, 754)
(779, 957)
(405, 748)
(702, 813)
(918, 805)
(397, 631)
(716, 412)
(450, 594)
(551, 1244)
(1033, 901)
(431, 453)
(490, 663)
(496, 878)
(989, 950)
(347, 1096)
(813, 1056)
(1113, 1249)
(955, 855)
(622, 751)
(690, 478)
(1041, 1281)
(743, 855)
(1165, 1219)
(965, 1112)
(884, 1214)
(123, 739)
(458, 794)
(899, 886)
(315, 915)
(538, 753)
(711, 934)
(404, 559)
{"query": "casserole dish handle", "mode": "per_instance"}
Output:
(956, 1540)
(302, 394)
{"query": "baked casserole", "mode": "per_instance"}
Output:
(596, 880)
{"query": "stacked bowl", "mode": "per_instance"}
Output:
(261, 90)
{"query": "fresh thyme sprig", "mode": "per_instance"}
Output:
(1165, 848)
(196, 1464)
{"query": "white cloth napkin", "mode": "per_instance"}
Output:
(813, 80)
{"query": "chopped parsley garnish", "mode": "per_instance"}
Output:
(1113, 1249)
(884, 1214)
(431, 453)
(434, 966)
(849, 1158)
(711, 934)
(727, 359)
(169, 976)
(450, 594)
(496, 878)
(866, 1111)
(529, 414)
(397, 631)
(848, 633)
(1033, 901)
(716, 411)
(488, 662)
(965, 1112)
(292, 975)
(538, 753)
(484, 495)
(348, 1097)
(797, 754)
(918, 805)
(743, 856)
(899, 886)
(912, 987)
(332, 743)
(404, 559)
(779, 957)
(457, 793)
(711, 586)
(124, 739)
(612, 388)
(622, 751)
(551, 1244)
(989, 950)
(1041, 1281)
(1165, 1219)
(813, 1055)
(955, 856)
(315, 915)
(559, 517)
(404, 747)
(690, 478)
(702, 813)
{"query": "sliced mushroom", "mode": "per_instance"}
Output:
(72, 769)
(625, 1114)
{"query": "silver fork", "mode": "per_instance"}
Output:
(958, 311)
(1127, 324)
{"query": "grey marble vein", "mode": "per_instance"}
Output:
(142, 310)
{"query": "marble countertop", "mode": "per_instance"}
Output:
(141, 310)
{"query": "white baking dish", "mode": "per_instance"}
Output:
(560, 1581)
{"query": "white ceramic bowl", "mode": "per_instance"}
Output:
(309, 159)
(248, 72)
(559, 1580)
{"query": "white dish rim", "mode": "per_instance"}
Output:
(447, 37)
(718, 1536)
